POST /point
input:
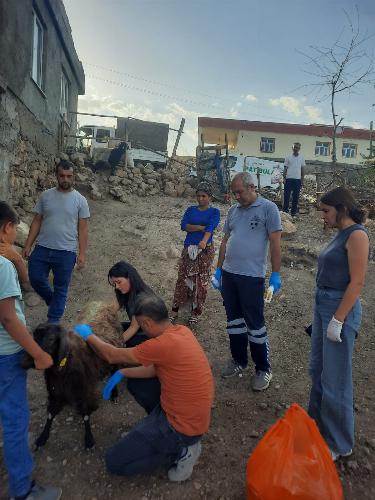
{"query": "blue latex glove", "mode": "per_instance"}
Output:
(275, 281)
(111, 383)
(83, 331)
(216, 279)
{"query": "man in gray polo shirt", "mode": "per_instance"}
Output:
(60, 228)
(251, 228)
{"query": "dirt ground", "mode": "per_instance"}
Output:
(146, 232)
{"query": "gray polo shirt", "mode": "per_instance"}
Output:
(249, 229)
(61, 213)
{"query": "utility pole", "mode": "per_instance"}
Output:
(371, 147)
(179, 133)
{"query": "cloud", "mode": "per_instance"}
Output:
(250, 98)
(287, 103)
(298, 108)
(313, 114)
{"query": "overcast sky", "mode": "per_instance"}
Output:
(167, 59)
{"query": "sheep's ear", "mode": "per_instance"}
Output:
(63, 349)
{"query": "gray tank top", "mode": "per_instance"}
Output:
(333, 265)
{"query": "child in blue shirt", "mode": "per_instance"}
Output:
(14, 339)
(194, 266)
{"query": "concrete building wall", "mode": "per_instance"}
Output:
(248, 143)
(31, 124)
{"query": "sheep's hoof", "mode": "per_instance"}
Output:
(40, 441)
(89, 442)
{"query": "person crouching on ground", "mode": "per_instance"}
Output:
(170, 435)
(194, 267)
(342, 267)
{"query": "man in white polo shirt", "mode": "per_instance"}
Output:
(293, 175)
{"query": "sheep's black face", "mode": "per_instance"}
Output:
(53, 340)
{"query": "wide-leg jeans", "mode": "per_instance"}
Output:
(331, 397)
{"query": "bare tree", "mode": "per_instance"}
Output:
(343, 67)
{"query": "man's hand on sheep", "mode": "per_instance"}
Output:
(112, 382)
(83, 331)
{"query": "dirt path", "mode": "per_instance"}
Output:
(146, 232)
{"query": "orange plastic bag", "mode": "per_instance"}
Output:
(292, 461)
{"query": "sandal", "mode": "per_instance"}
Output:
(193, 320)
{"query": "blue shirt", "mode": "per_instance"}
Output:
(209, 218)
(10, 288)
(249, 230)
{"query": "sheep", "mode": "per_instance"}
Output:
(75, 375)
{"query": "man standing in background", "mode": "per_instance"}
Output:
(293, 176)
(60, 228)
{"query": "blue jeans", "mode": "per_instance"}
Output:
(61, 262)
(151, 444)
(331, 397)
(292, 187)
(244, 305)
(14, 414)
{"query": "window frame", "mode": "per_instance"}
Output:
(349, 146)
(267, 141)
(37, 66)
(326, 145)
(64, 94)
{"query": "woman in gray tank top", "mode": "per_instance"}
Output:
(342, 267)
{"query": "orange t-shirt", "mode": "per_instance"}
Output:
(187, 386)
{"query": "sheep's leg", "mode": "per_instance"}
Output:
(53, 409)
(89, 438)
(114, 395)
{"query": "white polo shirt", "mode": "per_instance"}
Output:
(294, 164)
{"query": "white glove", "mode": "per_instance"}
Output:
(193, 251)
(334, 330)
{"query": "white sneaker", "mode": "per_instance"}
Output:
(183, 469)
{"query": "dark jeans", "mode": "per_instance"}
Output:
(61, 262)
(292, 187)
(14, 415)
(244, 304)
(146, 391)
(153, 442)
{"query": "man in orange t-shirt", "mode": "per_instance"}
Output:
(170, 435)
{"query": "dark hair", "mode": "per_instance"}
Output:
(7, 214)
(126, 301)
(65, 165)
(151, 306)
(203, 187)
(345, 204)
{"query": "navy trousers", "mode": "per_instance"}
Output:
(292, 187)
(244, 304)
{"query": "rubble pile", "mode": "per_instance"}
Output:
(144, 180)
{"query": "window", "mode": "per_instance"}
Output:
(349, 150)
(102, 135)
(37, 67)
(322, 148)
(267, 145)
(64, 95)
